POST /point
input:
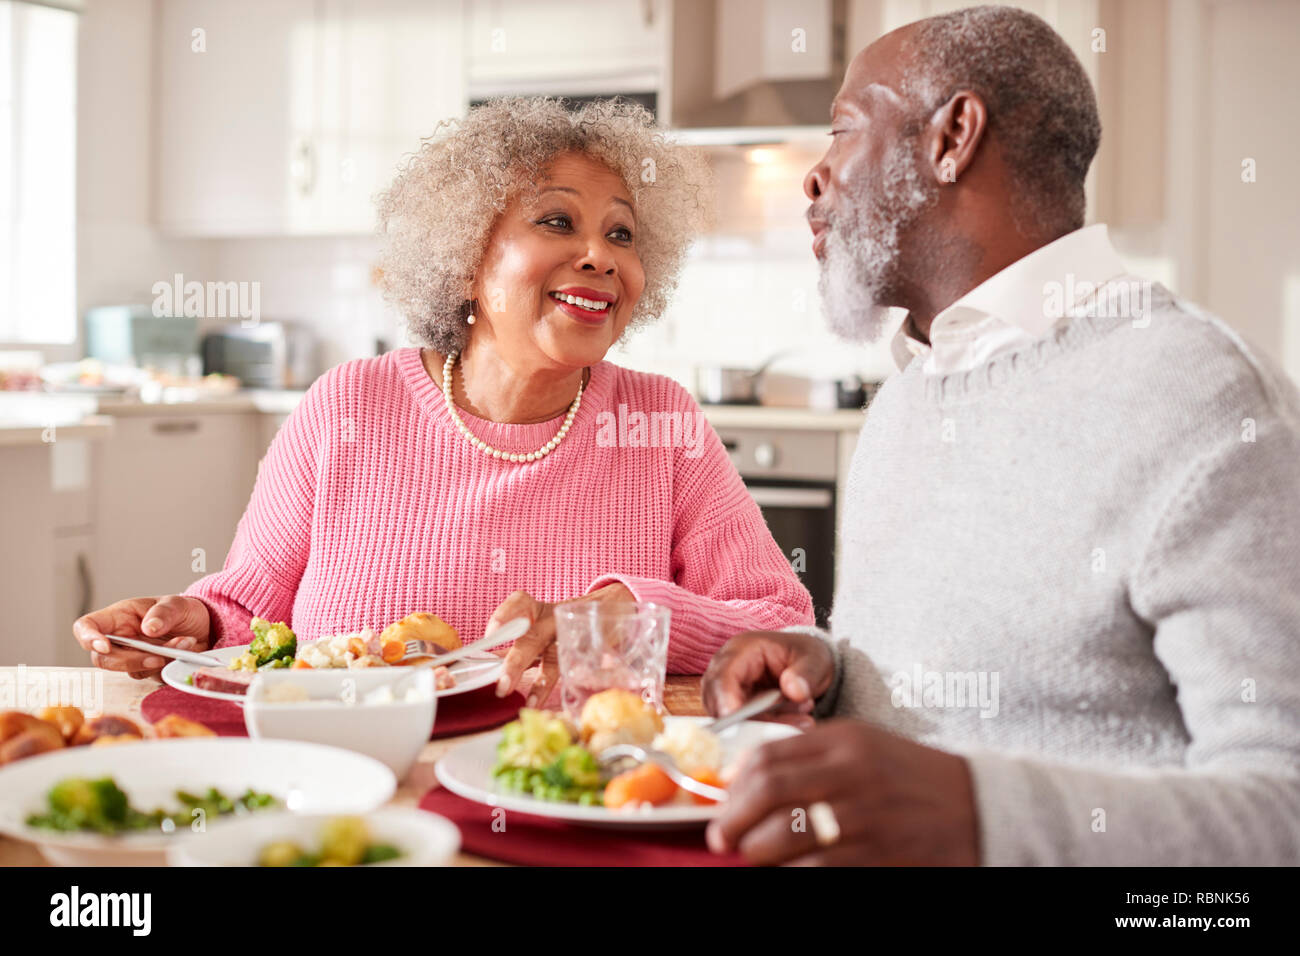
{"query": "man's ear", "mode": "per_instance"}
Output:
(954, 134)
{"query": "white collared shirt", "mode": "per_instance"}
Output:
(1014, 306)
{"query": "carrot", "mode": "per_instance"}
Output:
(705, 775)
(644, 784)
(392, 650)
(357, 646)
(300, 665)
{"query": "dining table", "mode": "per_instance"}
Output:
(123, 694)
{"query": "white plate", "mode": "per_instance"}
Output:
(424, 839)
(466, 771)
(311, 778)
(471, 673)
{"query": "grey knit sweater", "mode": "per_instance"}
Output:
(1078, 565)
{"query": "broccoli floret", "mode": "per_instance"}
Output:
(98, 804)
(271, 642)
(573, 768)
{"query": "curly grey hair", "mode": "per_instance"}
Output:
(439, 211)
(1041, 105)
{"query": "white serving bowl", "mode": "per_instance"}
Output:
(305, 777)
(392, 733)
(425, 839)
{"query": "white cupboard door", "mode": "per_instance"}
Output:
(615, 44)
(392, 70)
(235, 114)
(170, 491)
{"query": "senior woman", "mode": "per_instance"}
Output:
(494, 473)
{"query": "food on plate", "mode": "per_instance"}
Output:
(423, 627)
(22, 735)
(174, 725)
(25, 735)
(101, 806)
(645, 784)
(344, 841)
(109, 725)
(691, 747)
(273, 646)
(618, 716)
(67, 719)
(222, 680)
(539, 754)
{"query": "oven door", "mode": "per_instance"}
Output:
(801, 517)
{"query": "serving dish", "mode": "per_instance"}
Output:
(346, 715)
(304, 777)
(424, 839)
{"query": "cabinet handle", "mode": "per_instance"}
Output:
(87, 587)
(304, 166)
(182, 427)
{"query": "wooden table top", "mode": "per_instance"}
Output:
(122, 695)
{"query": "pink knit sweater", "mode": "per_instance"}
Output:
(370, 505)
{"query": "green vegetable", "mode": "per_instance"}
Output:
(380, 852)
(532, 742)
(100, 805)
(574, 767)
(271, 642)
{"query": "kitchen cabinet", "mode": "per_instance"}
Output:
(285, 117)
(170, 488)
(617, 45)
(27, 516)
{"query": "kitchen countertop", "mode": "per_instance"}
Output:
(771, 416)
(21, 433)
(34, 406)
(123, 694)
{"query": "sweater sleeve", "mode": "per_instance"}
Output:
(273, 539)
(728, 574)
(1220, 586)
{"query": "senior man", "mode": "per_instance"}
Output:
(1070, 564)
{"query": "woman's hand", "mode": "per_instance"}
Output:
(540, 639)
(173, 621)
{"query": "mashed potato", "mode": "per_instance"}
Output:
(691, 746)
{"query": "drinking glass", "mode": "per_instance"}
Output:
(611, 644)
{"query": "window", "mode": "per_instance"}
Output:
(38, 169)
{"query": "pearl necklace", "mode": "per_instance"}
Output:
(483, 446)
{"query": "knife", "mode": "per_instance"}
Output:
(161, 650)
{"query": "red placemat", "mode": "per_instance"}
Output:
(461, 714)
(539, 841)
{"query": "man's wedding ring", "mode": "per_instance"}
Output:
(824, 825)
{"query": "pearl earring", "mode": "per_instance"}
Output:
(470, 319)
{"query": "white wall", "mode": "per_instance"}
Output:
(119, 253)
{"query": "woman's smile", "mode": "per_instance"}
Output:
(586, 305)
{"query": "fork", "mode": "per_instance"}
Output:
(610, 756)
(509, 631)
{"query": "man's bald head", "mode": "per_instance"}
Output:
(1042, 110)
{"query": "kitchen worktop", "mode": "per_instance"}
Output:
(768, 416)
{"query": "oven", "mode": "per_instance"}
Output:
(790, 474)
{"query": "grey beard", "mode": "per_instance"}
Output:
(861, 265)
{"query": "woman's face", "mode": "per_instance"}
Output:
(575, 239)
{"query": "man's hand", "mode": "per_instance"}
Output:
(800, 664)
(893, 801)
